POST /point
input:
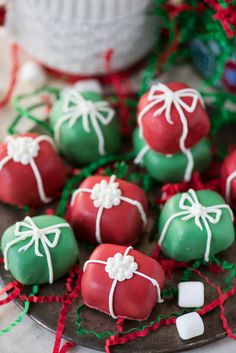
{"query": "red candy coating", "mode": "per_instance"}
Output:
(133, 298)
(18, 183)
(120, 224)
(229, 167)
(163, 137)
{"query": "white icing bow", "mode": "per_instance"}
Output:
(77, 107)
(36, 235)
(105, 196)
(202, 215)
(121, 268)
(23, 150)
(161, 94)
(229, 180)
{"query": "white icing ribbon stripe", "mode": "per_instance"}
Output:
(24, 150)
(229, 180)
(121, 268)
(36, 235)
(202, 215)
(76, 107)
(160, 93)
(105, 196)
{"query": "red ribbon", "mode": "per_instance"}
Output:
(221, 299)
(119, 324)
(67, 301)
(17, 288)
(66, 347)
(115, 340)
(42, 299)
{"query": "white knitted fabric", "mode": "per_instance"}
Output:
(73, 35)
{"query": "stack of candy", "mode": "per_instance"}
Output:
(109, 213)
(109, 233)
(228, 173)
(204, 33)
(173, 126)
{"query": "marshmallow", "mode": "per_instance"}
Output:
(88, 86)
(31, 73)
(191, 294)
(189, 325)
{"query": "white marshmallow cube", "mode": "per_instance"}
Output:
(32, 74)
(189, 325)
(191, 294)
(88, 86)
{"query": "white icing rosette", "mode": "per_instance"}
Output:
(105, 194)
(22, 149)
(121, 267)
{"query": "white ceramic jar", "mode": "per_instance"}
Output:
(73, 36)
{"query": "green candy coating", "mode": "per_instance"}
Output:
(184, 240)
(172, 168)
(79, 146)
(26, 267)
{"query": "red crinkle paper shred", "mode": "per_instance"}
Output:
(73, 283)
(225, 15)
(73, 286)
(14, 288)
(13, 76)
(116, 340)
(218, 302)
(216, 184)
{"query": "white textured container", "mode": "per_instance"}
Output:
(74, 36)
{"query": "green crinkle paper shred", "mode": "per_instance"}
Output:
(22, 314)
(167, 293)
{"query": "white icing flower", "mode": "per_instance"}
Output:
(106, 194)
(121, 267)
(22, 149)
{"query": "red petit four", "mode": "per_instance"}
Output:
(172, 118)
(108, 210)
(31, 171)
(118, 279)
